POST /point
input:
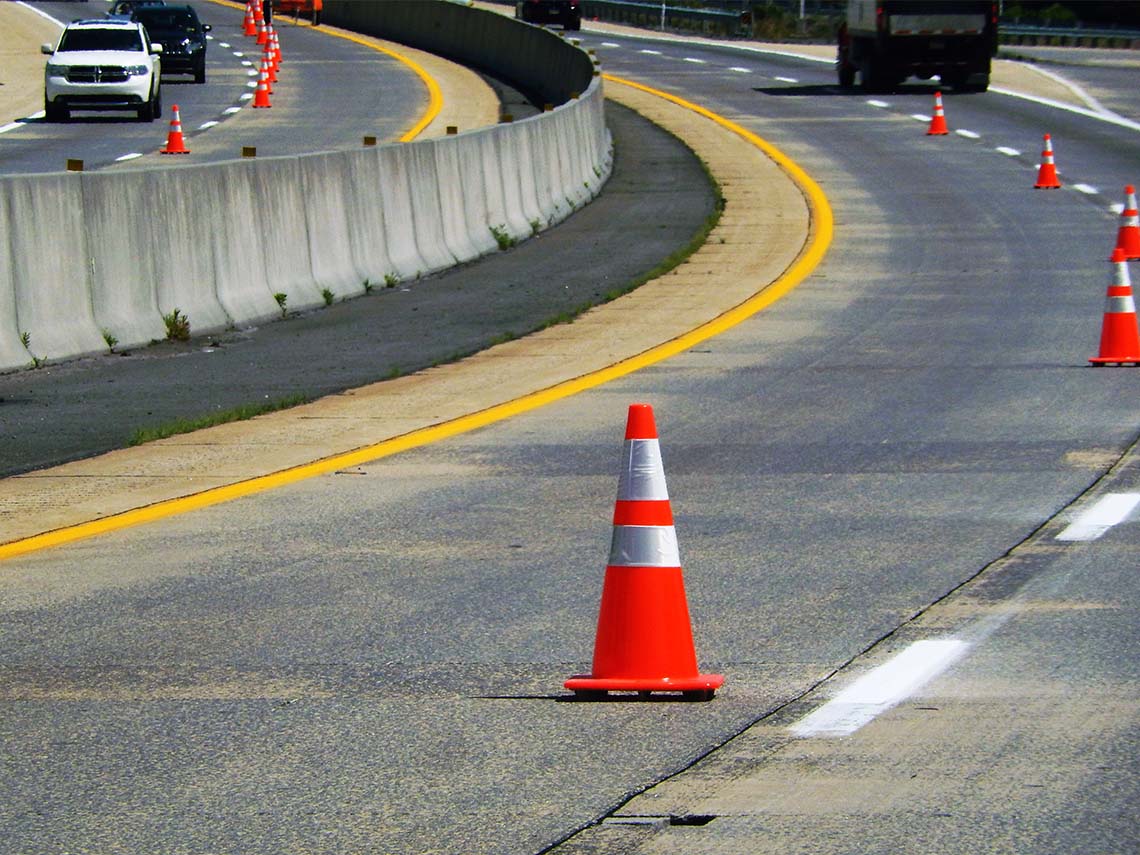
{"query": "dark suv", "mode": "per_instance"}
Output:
(564, 12)
(182, 36)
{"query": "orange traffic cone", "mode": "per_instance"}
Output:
(1128, 238)
(174, 142)
(1120, 334)
(938, 120)
(276, 44)
(262, 33)
(644, 641)
(268, 65)
(261, 94)
(249, 23)
(1047, 173)
(258, 12)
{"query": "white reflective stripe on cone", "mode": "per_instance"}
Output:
(1120, 306)
(642, 475)
(644, 546)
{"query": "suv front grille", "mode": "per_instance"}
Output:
(97, 74)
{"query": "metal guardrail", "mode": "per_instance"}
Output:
(1068, 37)
(734, 19)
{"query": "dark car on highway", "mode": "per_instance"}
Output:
(182, 36)
(564, 12)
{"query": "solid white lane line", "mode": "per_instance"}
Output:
(1112, 509)
(876, 692)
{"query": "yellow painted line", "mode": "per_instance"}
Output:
(435, 96)
(818, 241)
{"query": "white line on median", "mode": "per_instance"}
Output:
(876, 692)
(1112, 509)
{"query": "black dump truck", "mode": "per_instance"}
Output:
(886, 42)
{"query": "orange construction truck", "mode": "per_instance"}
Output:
(311, 8)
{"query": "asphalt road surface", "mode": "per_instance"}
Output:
(373, 660)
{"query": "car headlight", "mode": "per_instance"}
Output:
(138, 70)
(56, 70)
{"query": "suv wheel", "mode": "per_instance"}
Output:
(55, 113)
(152, 109)
(200, 72)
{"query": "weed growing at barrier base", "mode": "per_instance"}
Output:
(110, 340)
(502, 237)
(26, 339)
(391, 280)
(368, 286)
(246, 411)
(282, 298)
(535, 225)
(177, 326)
(328, 295)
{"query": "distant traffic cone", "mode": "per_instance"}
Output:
(267, 64)
(174, 142)
(1120, 333)
(249, 23)
(938, 120)
(262, 32)
(275, 41)
(1047, 173)
(258, 12)
(261, 94)
(644, 641)
(1128, 238)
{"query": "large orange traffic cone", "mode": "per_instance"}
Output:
(1128, 238)
(1047, 172)
(644, 640)
(938, 120)
(261, 94)
(174, 141)
(1120, 333)
(275, 42)
(249, 23)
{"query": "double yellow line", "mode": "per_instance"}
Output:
(822, 230)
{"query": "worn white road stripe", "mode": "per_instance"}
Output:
(132, 156)
(1087, 189)
(694, 60)
(741, 70)
(876, 692)
(610, 44)
(1007, 151)
(879, 104)
(788, 79)
(970, 135)
(651, 52)
(919, 117)
(1112, 509)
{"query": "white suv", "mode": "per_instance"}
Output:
(103, 65)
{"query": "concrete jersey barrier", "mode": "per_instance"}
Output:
(94, 261)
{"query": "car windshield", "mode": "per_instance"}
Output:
(100, 39)
(167, 19)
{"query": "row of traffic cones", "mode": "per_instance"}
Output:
(254, 25)
(1120, 332)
